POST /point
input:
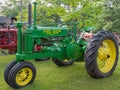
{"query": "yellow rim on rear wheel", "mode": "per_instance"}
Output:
(24, 76)
(106, 56)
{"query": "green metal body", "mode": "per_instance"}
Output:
(68, 47)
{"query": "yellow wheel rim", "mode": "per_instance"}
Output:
(106, 56)
(24, 76)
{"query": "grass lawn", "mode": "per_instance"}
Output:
(51, 77)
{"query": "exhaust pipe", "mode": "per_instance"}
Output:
(35, 18)
(29, 14)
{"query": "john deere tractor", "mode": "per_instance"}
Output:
(64, 47)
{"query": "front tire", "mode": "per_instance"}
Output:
(7, 70)
(101, 55)
(22, 74)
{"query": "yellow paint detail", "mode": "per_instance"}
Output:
(24, 76)
(106, 56)
(51, 32)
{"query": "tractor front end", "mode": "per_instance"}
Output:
(62, 45)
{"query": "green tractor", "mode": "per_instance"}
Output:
(100, 53)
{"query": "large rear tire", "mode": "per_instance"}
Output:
(65, 62)
(101, 55)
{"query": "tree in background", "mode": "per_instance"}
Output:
(110, 18)
(11, 8)
(99, 13)
(57, 11)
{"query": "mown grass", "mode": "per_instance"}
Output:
(51, 77)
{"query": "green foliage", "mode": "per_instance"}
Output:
(110, 18)
(69, 11)
(98, 13)
(11, 8)
(48, 12)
